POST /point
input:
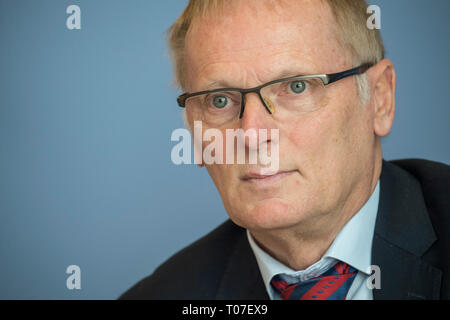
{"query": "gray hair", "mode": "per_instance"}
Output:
(362, 81)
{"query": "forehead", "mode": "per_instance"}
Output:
(262, 38)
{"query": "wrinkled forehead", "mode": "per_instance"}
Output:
(248, 30)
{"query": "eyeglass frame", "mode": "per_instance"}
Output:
(326, 80)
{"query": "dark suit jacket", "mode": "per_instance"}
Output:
(411, 245)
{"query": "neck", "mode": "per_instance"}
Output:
(302, 245)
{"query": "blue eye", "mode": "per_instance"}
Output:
(298, 86)
(220, 102)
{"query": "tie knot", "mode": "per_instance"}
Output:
(331, 285)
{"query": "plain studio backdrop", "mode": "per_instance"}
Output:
(86, 117)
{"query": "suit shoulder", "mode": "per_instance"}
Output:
(426, 170)
(192, 273)
(434, 180)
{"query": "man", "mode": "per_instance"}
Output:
(334, 212)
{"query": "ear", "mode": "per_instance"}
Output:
(383, 81)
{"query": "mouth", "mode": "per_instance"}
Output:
(257, 178)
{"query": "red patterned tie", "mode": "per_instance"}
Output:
(332, 285)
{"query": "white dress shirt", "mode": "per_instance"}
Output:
(353, 245)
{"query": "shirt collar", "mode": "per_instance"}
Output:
(352, 245)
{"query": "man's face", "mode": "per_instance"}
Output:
(324, 155)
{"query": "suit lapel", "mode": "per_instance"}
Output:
(403, 233)
(242, 277)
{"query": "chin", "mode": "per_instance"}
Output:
(264, 215)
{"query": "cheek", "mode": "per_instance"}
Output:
(225, 176)
(308, 135)
(221, 178)
(322, 140)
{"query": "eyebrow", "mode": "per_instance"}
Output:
(216, 85)
(285, 73)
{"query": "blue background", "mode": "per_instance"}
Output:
(85, 123)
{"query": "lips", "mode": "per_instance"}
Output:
(258, 178)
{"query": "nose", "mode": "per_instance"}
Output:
(256, 117)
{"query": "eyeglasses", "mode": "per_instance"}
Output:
(285, 96)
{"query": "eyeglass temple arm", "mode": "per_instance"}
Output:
(333, 77)
(181, 100)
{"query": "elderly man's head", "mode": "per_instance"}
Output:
(329, 158)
